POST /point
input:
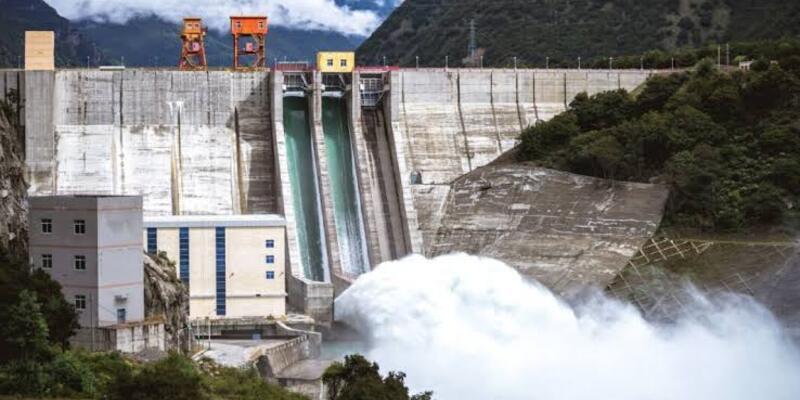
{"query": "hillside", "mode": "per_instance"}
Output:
(564, 30)
(728, 143)
(17, 16)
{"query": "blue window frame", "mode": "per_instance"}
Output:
(152, 241)
(270, 259)
(183, 257)
(270, 244)
(220, 276)
(270, 274)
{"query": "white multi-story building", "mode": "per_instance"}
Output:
(234, 265)
(92, 245)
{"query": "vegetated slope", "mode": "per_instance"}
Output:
(150, 41)
(564, 30)
(727, 142)
(17, 16)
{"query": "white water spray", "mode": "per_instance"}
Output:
(472, 328)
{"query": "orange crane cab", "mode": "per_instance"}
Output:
(249, 40)
(193, 51)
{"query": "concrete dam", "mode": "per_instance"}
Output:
(362, 165)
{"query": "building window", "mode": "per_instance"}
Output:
(220, 273)
(330, 62)
(80, 263)
(47, 225)
(121, 314)
(152, 241)
(343, 63)
(47, 261)
(80, 302)
(270, 259)
(270, 244)
(183, 256)
(80, 226)
(270, 275)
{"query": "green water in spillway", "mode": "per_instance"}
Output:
(303, 179)
(346, 200)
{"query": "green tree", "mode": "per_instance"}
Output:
(59, 315)
(358, 379)
(25, 329)
(602, 110)
(174, 377)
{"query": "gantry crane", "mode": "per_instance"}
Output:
(193, 51)
(249, 39)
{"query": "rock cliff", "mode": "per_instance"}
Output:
(13, 186)
(166, 297)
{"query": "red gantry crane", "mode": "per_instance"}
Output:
(193, 51)
(249, 39)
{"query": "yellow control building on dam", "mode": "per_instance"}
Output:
(339, 62)
(233, 265)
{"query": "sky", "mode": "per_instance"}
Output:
(300, 14)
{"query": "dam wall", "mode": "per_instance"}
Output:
(446, 123)
(191, 142)
(216, 143)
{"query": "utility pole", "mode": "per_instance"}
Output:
(91, 319)
(579, 63)
(87, 62)
(384, 61)
(727, 54)
(641, 63)
(610, 62)
(417, 57)
(673, 63)
(446, 62)
(547, 63)
(472, 47)
(481, 62)
(19, 62)
(719, 56)
(515, 63)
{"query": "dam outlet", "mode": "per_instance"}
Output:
(304, 185)
(344, 188)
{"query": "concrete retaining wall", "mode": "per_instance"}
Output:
(190, 142)
(566, 231)
(129, 338)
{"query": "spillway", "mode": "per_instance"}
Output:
(346, 199)
(305, 193)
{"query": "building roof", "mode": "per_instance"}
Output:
(211, 221)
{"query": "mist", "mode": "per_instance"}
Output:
(299, 14)
(473, 328)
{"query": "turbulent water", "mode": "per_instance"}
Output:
(346, 203)
(302, 177)
(472, 328)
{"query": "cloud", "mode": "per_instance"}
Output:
(301, 14)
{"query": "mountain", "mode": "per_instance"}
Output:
(149, 41)
(17, 16)
(566, 29)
